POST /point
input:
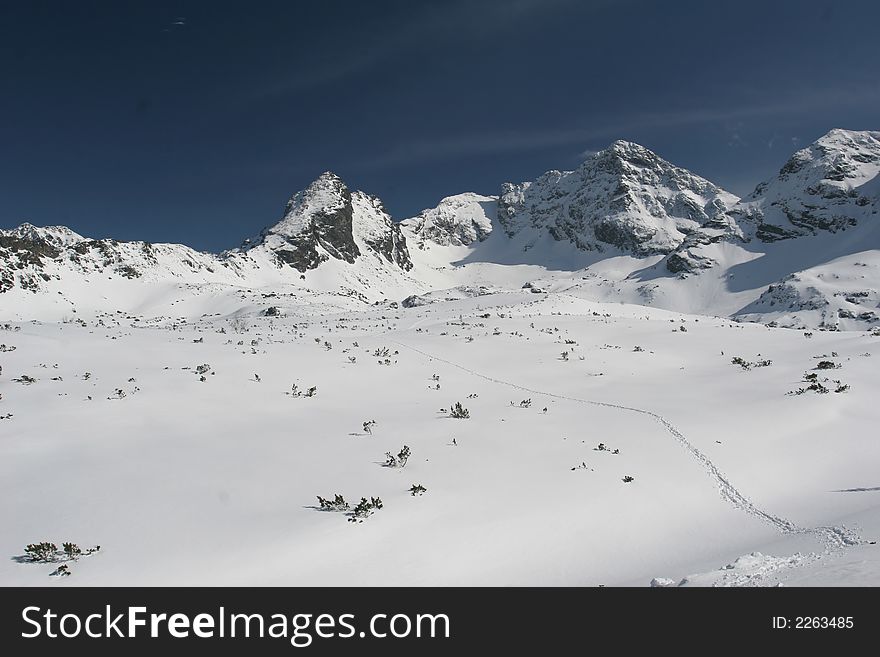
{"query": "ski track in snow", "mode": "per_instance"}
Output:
(834, 539)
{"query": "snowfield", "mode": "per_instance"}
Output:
(118, 442)
(617, 375)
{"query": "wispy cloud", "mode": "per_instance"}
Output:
(450, 21)
(729, 117)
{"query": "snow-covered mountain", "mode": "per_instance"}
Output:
(360, 251)
(806, 240)
(622, 199)
(829, 186)
(326, 221)
(801, 250)
(458, 220)
(31, 257)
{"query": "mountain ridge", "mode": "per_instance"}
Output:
(658, 230)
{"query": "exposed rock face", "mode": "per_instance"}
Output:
(327, 220)
(373, 225)
(317, 225)
(22, 253)
(624, 197)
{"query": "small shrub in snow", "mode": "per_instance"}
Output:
(296, 392)
(368, 426)
(746, 365)
(338, 503)
(365, 508)
(827, 365)
(417, 489)
(43, 551)
(71, 550)
(61, 571)
(399, 461)
(459, 412)
(627, 479)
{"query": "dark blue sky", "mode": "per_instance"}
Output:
(194, 121)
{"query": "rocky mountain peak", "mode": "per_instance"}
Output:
(624, 197)
(327, 220)
(822, 187)
(458, 220)
(316, 226)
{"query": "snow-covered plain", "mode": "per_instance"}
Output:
(214, 482)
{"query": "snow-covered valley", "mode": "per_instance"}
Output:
(189, 475)
(619, 375)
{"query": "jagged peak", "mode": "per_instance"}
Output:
(838, 155)
(629, 150)
(327, 181)
(624, 146)
(55, 234)
(839, 140)
(844, 136)
(326, 194)
(328, 176)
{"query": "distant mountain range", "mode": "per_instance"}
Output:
(802, 250)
